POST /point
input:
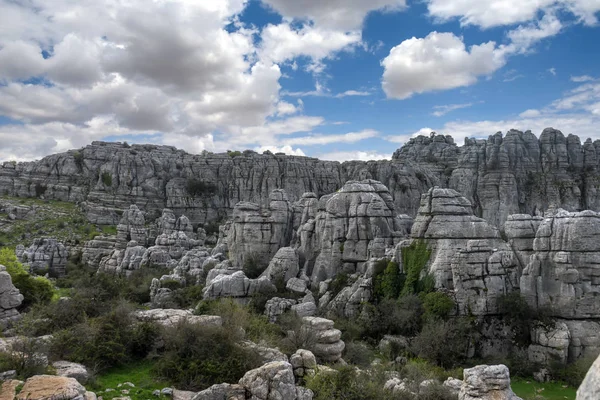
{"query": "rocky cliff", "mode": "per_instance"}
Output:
(514, 174)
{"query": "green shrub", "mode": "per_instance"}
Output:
(25, 358)
(107, 178)
(196, 357)
(438, 305)
(188, 296)
(78, 157)
(444, 343)
(414, 259)
(234, 154)
(35, 289)
(388, 283)
(338, 283)
(359, 354)
(572, 373)
(197, 187)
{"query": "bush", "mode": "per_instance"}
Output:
(573, 373)
(196, 357)
(78, 157)
(389, 282)
(107, 341)
(35, 289)
(234, 154)
(358, 353)
(438, 305)
(338, 284)
(107, 178)
(25, 358)
(414, 259)
(444, 343)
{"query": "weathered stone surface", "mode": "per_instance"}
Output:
(8, 390)
(266, 354)
(564, 273)
(222, 391)
(132, 227)
(517, 173)
(49, 387)
(274, 380)
(487, 382)
(303, 362)
(446, 222)
(283, 266)
(590, 387)
(236, 285)
(520, 230)
(45, 254)
(481, 274)
(256, 233)
(276, 306)
(71, 370)
(96, 249)
(348, 302)
(550, 344)
(10, 299)
(328, 346)
(351, 225)
(173, 317)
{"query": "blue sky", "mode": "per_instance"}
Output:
(340, 80)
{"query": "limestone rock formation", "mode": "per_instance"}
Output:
(590, 387)
(132, 227)
(303, 362)
(96, 249)
(446, 222)
(328, 345)
(49, 387)
(10, 299)
(503, 175)
(257, 233)
(564, 273)
(71, 370)
(351, 226)
(487, 382)
(236, 285)
(173, 317)
(45, 254)
(274, 380)
(283, 266)
(222, 391)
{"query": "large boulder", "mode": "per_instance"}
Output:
(236, 285)
(10, 299)
(71, 370)
(274, 380)
(590, 387)
(328, 346)
(283, 266)
(49, 387)
(174, 317)
(487, 382)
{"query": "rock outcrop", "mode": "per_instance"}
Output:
(237, 285)
(351, 226)
(487, 382)
(45, 255)
(10, 299)
(328, 346)
(590, 387)
(49, 387)
(517, 173)
(256, 233)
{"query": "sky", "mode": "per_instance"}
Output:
(336, 79)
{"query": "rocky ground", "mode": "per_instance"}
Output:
(324, 288)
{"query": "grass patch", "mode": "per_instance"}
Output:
(139, 373)
(528, 389)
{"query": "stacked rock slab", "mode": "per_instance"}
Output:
(328, 345)
(256, 233)
(131, 227)
(520, 230)
(45, 254)
(487, 382)
(96, 249)
(446, 222)
(348, 224)
(236, 285)
(10, 299)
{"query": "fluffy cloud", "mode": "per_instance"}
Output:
(582, 78)
(490, 13)
(342, 15)
(283, 149)
(437, 62)
(282, 42)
